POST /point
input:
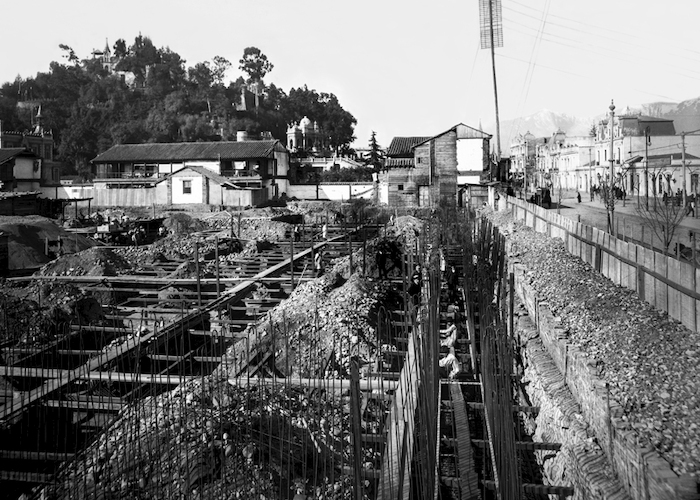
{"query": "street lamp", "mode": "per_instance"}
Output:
(611, 200)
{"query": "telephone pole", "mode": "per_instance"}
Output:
(611, 194)
(491, 34)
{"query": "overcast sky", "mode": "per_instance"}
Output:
(402, 68)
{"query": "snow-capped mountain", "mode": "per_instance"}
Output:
(685, 116)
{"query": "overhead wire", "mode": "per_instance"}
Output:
(585, 47)
(617, 30)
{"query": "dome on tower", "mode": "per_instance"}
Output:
(305, 123)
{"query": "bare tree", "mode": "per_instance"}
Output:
(663, 217)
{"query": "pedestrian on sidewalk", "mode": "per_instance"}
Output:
(578, 196)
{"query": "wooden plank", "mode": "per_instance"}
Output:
(333, 384)
(674, 296)
(687, 305)
(468, 478)
(105, 406)
(660, 268)
(516, 408)
(25, 477)
(35, 455)
(523, 445)
(540, 489)
(13, 409)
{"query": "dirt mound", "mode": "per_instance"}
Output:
(92, 262)
(27, 240)
(179, 223)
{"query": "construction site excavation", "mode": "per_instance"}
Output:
(317, 350)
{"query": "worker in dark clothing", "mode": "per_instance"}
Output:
(414, 289)
(318, 264)
(381, 261)
(452, 283)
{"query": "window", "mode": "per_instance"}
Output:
(419, 159)
(186, 187)
(400, 187)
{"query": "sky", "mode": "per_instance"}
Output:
(401, 67)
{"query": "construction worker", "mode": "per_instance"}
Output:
(318, 263)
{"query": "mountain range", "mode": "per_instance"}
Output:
(685, 116)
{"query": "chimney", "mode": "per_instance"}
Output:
(241, 136)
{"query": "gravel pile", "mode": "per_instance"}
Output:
(651, 361)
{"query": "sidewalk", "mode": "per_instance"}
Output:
(627, 221)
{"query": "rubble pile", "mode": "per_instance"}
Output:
(208, 439)
(180, 223)
(41, 313)
(651, 362)
(318, 328)
(28, 236)
(95, 261)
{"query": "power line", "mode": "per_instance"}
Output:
(616, 31)
(584, 76)
(611, 50)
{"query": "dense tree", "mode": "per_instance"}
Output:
(154, 97)
(255, 64)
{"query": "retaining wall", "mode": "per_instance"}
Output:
(581, 462)
(641, 471)
(661, 280)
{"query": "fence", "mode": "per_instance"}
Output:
(661, 280)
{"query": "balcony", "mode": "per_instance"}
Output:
(128, 176)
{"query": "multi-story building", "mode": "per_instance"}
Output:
(523, 151)
(433, 171)
(643, 150)
(29, 158)
(246, 172)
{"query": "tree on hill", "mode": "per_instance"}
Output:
(255, 64)
(375, 153)
(89, 109)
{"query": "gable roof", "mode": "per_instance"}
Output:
(219, 179)
(403, 146)
(463, 132)
(182, 151)
(9, 153)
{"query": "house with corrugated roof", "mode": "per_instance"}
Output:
(20, 170)
(245, 173)
(429, 171)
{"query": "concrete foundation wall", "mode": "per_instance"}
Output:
(335, 192)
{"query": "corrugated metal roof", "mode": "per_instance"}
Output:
(182, 151)
(674, 156)
(403, 146)
(9, 153)
(399, 162)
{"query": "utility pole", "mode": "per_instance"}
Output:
(683, 134)
(491, 34)
(683, 166)
(647, 142)
(495, 87)
(611, 197)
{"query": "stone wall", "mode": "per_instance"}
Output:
(581, 462)
(585, 417)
